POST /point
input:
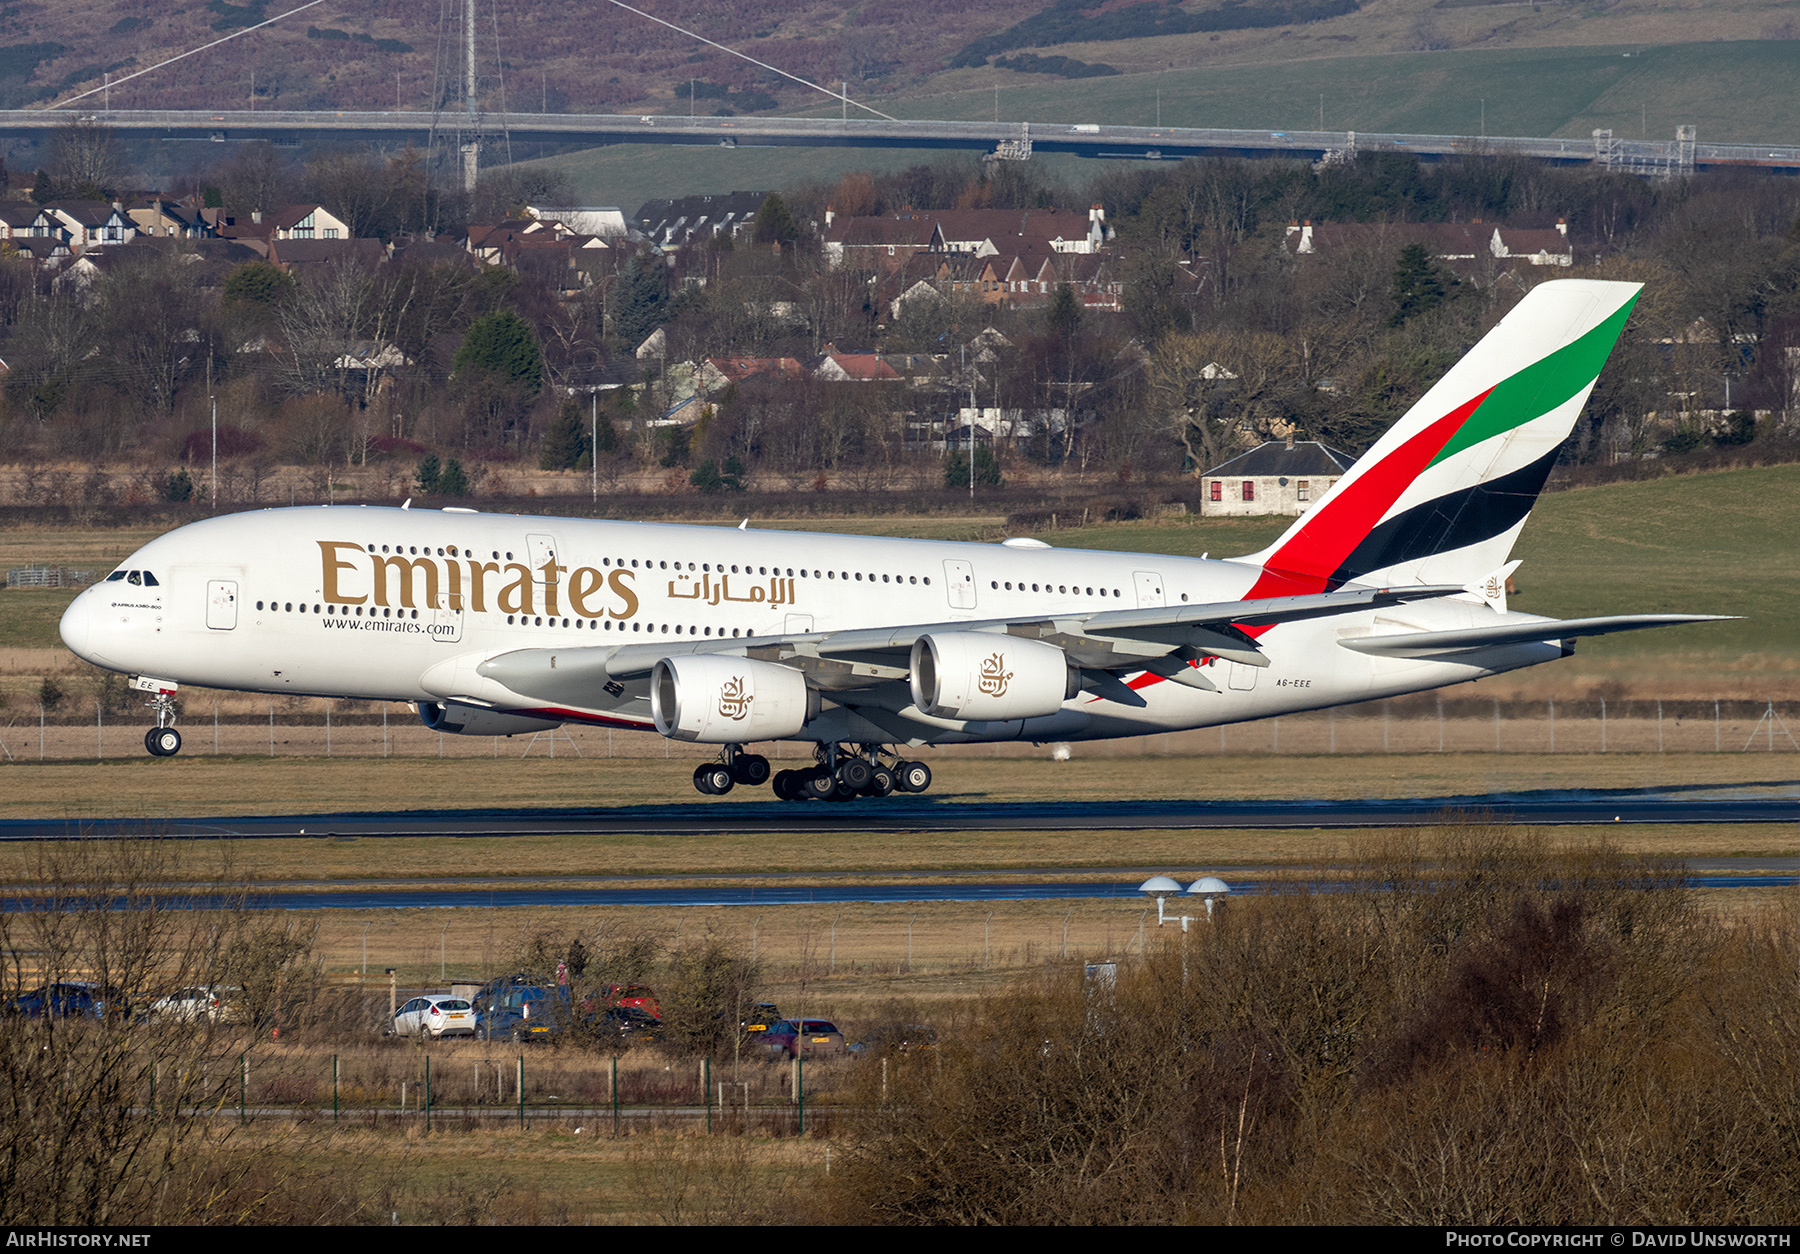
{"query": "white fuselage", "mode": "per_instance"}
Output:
(371, 603)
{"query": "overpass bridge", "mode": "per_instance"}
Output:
(1003, 140)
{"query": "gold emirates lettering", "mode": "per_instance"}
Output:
(349, 575)
(994, 676)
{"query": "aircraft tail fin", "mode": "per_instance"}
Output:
(1442, 495)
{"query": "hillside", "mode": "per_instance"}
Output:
(566, 57)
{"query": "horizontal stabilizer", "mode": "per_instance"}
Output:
(1426, 644)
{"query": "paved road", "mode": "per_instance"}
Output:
(1776, 802)
(1072, 135)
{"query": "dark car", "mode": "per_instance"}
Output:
(761, 1017)
(70, 999)
(625, 1025)
(895, 1038)
(522, 1012)
(791, 1038)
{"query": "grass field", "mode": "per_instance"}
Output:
(1742, 91)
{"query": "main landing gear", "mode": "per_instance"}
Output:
(734, 767)
(842, 773)
(163, 741)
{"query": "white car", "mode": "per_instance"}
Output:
(435, 1017)
(215, 1004)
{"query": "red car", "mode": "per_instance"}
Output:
(640, 995)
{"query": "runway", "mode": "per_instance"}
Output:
(1772, 802)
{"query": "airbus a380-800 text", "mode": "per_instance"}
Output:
(490, 624)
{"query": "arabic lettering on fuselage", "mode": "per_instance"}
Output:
(779, 592)
(350, 576)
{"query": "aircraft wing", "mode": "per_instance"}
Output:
(1437, 644)
(836, 661)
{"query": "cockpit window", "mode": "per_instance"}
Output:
(150, 580)
(136, 577)
(115, 576)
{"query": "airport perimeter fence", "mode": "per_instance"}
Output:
(1401, 726)
(472, 1085)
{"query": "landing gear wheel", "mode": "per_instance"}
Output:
(786, 785)
(712, 779)
(840, 791)
(750, 770)
(163, 742)
(912, 777)
(817, 784)
(854, 774)
(881, 782)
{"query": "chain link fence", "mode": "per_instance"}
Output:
(289, 728)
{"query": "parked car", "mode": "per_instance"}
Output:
(214, 1003)
(640, 995)
(521, 1012)
(625, 1025)
(435, 1017)
(70, 999)
(789, 1038)
(761, 1017)
(895, 1038)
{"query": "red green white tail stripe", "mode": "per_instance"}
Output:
(1441, 497)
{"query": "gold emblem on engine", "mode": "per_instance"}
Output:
(994, 676)
(734, 702)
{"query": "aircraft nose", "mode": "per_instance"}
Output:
(76, 622)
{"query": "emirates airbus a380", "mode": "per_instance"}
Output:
(497, 624)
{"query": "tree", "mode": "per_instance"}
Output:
(640, 298)
(430, 474)
(455, 481)
(566, 442)
(87, 157)
(502, 347)
(257, 283)
(1419, 285)
(712, 479)
(774, 224)
(1062, 317)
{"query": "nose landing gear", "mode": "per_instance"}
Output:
(163, 741)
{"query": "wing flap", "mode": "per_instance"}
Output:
(1430, 644)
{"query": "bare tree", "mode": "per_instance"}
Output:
(86, 156)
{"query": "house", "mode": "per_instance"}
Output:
(307, 222)
(19, 220)
(158, 218)
(306, 256)
(1276, 477)
(890, 240)
(836, 367)
(718, 373)
(672, 223)
(600, 220)
(1471, 249)
(86, 224)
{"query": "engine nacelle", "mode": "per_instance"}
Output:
(981, 676)
(475, 720)
(718, 700)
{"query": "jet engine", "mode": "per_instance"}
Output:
(475, 720)
(981, 676)
(718, 700)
